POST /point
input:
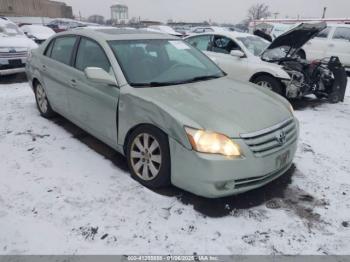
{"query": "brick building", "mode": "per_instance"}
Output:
(32, 8)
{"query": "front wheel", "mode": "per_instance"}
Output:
(148, 157)
(269, 82)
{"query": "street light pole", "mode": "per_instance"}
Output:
(324, 12)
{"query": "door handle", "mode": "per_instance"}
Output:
(73, 83)
(331, 45)
(44, 68)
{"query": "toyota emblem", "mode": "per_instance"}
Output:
(281, 137)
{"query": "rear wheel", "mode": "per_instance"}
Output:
(269, 82)
(149, 157)
(42, 101)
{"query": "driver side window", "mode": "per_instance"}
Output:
(224, 45)
(90, 54)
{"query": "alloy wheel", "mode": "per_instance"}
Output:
(146, 156)
(41, 98)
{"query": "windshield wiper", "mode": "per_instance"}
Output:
(170, 83)
(202, 78)
(155, 84)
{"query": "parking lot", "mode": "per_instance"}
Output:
(64, 192)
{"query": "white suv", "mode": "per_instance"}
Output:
(332, 41)
(14, 48)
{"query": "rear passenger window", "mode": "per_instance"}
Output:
(342, 33)
(324, 33)
(63, 49)
(91, 54)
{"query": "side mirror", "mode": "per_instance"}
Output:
(237, 53)
(99, 75)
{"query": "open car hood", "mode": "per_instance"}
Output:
(297, 36)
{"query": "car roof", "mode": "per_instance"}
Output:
(118, 34)
(338, 25)
(230, 34)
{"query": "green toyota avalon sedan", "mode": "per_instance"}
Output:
(167, 107)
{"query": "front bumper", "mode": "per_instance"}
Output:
(12, 71)
(215, 176)
(7, 67)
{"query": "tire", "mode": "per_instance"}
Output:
(42, 102)
(334, 98)
(269, 82)
(150, 164)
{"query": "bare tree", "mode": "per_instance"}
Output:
(258, 11)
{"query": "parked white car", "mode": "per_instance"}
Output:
(332, 41)
(208, 29)
(276, 65)
(164, 29)
(14, 48)
(37, 33)
(238, 55)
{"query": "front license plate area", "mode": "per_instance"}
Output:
(282, 160)
(17, 62)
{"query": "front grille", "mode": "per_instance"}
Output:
(265, 142)
(8, 55)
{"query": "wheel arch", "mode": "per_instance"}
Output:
(132, 129)
(258, 74)
(35, 81)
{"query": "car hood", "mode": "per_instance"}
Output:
(17, 42)
(298, 36)
(221, 105)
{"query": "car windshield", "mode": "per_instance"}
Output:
(10, 30)
(160, 62)
(256, 45)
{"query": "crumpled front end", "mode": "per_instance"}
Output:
(324, 78)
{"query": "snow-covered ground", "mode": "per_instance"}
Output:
(64, 192)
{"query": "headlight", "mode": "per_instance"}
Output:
(212, 143)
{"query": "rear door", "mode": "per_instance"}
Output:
(93, 105)
(317, 47)
(56, 70)
(340, 45)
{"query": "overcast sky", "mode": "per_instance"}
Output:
(216, 10)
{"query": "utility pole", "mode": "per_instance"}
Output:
(276, 14)
(324, 12)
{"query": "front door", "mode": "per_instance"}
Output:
(93, 105)
(220, 50)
